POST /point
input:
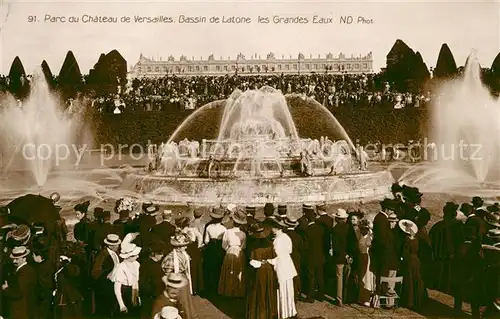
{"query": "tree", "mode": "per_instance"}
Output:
(18, 83)
(70, 78)
(49, 77)
(494, 74)
(420, 72)
(405, 69)
(445, 66)
(109, 72)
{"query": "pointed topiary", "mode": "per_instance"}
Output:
(18, 83)
(495, 66)
(49, 77)
(109, 72)
(446, 66)
(70, 78)
(400, 66)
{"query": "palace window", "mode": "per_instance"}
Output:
(365, 65)
(287, 66)
(139, 69)
(249, 67)
(157, 69)
(190, 68)
(205, 68)
(217, 68)
(233, 67)
(349, 67)
(316, 66)
(149, 69)
(165, 69)
(335, 66)
(295, 67)
(356, 66)
(308, 66)
(225, 68)
(279, 67)
(197, 68)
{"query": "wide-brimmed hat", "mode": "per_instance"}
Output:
(239, 217)
(152, 210)
(176, 280)
(408, 226)
(492, 219)
(307, 207)
(146, 204)
(260, 231)
(231, 207)
(322, 208)
(341, 213)
(98, 212)
(495, 208)
(388, 204)
(477, 201)
(450, 207)
(494, 233)
(157, 246)
(467, 209)
(217, 213)
(82, 207)
(179, 240)
(291, 222)
(168, 312)
(112, 240)
(129, 249)
(19, 252)
(20, 233)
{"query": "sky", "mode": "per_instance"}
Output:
(423, 25)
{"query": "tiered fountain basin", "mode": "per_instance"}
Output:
(204, 191)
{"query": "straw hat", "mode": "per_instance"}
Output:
(393, 217)
(174, 280)
(306, 207)
(494, 233)
(168, 312)
(282, 210)
(152, 210)
(129, 249)
(112, 240)
(217, 213)
(341, 213)
(492, 219)
(407, 225)
(19, 252)
(291, 222)
(20, 233)
(179, 240)
(261, 232)
(239, 217)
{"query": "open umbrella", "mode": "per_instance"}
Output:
(32, 208)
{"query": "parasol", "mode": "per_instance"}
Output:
(32, 208)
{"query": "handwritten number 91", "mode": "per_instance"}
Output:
(31, 18)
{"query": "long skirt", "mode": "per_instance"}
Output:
(366, 279)
(232, 276)
(286, 300)
(413, 286)
(212, 264)
(261, 298)
(196, 266)
(133, 311)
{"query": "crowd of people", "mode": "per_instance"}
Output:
(174, 92)
(150, 262)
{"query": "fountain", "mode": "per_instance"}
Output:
(463, 156)
(256, 155)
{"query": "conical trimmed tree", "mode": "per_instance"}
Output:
(495, 66)
(49, 77)
(446, 66)
(18, 83)
(494, 74)
(420, 72)
(70, 79)
(401, 66)
(109, 72)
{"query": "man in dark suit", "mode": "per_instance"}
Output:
(340, 258)
(326, 221)
(123, 225)
(106, 260)
(384, 256)
(102, 230)
(297, 252)
(314, 259)
(150, 273)
(20, 289)
(164, 230)
(492, 274)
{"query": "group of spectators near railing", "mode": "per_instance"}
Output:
(172, 92)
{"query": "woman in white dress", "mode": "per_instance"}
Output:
(285, 271)
(126, 279)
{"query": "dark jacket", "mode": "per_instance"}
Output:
(21, 293)
(326, 222)
(314, 240)
(339, 243)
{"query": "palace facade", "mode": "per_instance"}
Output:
(341, 64)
